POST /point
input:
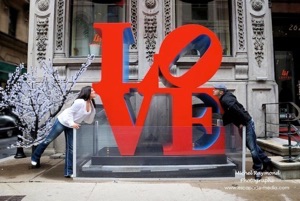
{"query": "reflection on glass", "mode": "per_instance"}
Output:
(97, 153)
(284, 65)
(84, 14)
(212, 14)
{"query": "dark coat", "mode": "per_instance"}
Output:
(234, 112)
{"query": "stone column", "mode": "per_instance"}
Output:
(151, 22)
(41, 27)
(262, 87)
(41, 31)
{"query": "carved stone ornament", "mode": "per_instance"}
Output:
(133, 72)
(150, 36)
(257, 5)
(241, 72)
(167, 16)
(60, 24)
(134, 21)
(258, 39)
(150, 4)
(42, 38)
(43, 5)
(150, 28)
(240, 24)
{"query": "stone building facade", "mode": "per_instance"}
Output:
(14, 20)
(247, 65)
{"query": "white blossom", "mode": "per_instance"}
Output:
(37, 102)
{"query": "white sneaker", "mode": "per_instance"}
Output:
(69, 176)
(33, 163)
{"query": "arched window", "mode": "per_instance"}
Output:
(213, 14)
(84, 14)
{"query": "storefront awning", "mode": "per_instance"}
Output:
(6, 68)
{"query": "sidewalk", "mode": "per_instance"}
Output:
(18, 181)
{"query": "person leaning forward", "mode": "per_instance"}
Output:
(234, 112)
(83, 109)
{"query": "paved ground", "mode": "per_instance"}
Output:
(18, 181)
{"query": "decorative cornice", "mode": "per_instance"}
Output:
(13, 43)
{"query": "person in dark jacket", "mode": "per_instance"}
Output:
(234, 112)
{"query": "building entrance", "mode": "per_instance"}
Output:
(286, 35)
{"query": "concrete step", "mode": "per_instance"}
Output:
(284, 166)
(277, 146)
(285, 169)
(228, 170)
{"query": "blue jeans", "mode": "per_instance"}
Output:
(258, 156)
(55, 131)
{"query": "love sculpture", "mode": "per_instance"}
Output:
(114, 86)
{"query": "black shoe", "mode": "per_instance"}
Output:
(267, 166)
(258, 175)
(35, 164)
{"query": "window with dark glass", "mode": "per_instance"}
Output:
(12, 26)
(213, 14)
(84, 14)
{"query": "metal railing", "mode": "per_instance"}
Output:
(288, 113)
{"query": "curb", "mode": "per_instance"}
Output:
(6, 159)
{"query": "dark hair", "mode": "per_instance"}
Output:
(85, 94)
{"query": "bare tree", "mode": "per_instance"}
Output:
(37, 101)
